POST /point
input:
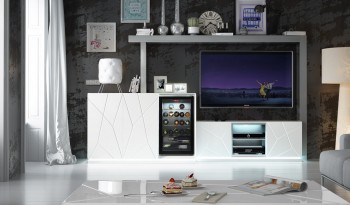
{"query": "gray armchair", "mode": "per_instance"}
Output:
(335, 164)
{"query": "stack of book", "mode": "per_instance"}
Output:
(144, 32)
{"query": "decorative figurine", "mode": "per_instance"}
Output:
(243, 31)
(135, 85)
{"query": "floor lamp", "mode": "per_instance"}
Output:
(336, 70)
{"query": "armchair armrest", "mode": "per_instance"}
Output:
(345, 141)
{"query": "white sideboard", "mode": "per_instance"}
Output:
(283, 139)
(123, 126)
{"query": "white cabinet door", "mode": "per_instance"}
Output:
(284, 139)
(123, 126)
(213, 139)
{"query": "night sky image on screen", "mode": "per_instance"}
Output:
(247, 79)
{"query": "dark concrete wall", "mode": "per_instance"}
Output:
(326, 22)
(15, 88)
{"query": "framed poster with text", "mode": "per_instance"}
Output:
(247, 17)
(135, 11)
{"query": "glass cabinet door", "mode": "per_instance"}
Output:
(176, 126)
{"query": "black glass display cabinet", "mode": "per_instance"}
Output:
(176, 125)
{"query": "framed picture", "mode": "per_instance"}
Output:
(168, 87)
(159, 84)
(101, 37)
(180, 88)
(135, 11)
(247, 17)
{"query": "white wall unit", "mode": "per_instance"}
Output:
(123, 126)
(283, 139)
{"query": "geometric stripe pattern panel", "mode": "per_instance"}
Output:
(284, 139)
(213, 139)
(123, 125)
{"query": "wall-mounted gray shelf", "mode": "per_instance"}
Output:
(217, 39)
(301, 41)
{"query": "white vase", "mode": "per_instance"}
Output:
(163, 29)
(177, 28)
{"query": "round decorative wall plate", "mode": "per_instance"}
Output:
(208, 22)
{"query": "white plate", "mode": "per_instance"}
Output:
(199, 186)
(179, 194)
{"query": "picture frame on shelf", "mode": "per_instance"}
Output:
(101, 37)
(168, 87)
(135, 11)
(249, 18)
(180, 87)
(159, 83)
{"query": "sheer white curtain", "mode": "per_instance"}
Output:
(58, 150)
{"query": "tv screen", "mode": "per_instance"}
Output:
(246, 79)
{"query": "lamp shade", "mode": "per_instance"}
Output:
(336, 70)
(110, 71)
(336, 65)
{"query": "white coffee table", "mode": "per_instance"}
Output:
(112, 192)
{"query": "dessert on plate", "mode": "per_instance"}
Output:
(171, 187)
(189, 181)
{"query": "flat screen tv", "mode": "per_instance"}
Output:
(254, 79)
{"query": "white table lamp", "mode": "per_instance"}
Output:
(336, 70)
(110, 71)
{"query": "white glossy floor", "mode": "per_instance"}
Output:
(42, 184)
